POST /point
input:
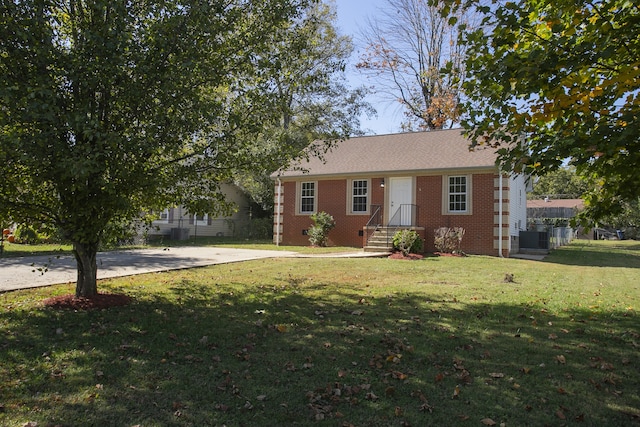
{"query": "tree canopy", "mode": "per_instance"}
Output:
(562, 183)
(310, 97)
(556, 81)
(109, 109)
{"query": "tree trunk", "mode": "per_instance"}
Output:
(85, 253)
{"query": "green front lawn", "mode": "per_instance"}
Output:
(338, 342)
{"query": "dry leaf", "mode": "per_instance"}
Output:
(561, 359)
(456, 392)
(496, 375)
(281, 328)
(488, 422)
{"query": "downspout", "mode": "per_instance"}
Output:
(500, 214)
(278, 213)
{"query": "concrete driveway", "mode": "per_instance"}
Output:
(23, 273)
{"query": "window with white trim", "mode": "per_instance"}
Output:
(163, 217)
(359, 195)
(307, 197)
(201, 219)
(458, 196)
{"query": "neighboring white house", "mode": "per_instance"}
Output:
(177, 223)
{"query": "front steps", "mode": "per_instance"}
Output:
(381, 240)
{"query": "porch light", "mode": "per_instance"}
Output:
(382, 183)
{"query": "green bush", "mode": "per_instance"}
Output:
(447, 240)
(27, 235)
(319, 231)
(407, 241)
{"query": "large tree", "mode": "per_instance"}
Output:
(111, 108)
(563, 183)
(310, 97)
(413, 57)
(557, 80)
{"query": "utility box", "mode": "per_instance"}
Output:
(179, 234)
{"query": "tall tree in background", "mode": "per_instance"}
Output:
(309, 96)
(110, 108)
(414, 58)
(557, 80)
(562, 183)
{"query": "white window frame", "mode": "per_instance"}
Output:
(165, 214)
(447, 194)
(351, 196)
(201, 221)
(300, 196)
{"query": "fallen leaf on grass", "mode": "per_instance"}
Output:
(561, 359)
(488, 422)
(496, 375)
(456, 392)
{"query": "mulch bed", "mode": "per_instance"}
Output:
(410, 257)
(96, 302)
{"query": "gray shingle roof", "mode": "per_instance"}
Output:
(397, 153)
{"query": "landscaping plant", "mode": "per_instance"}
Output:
(447, 240)
(319, 231)
(407, 241)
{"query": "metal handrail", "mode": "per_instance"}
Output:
(374, 220)
(396, 220)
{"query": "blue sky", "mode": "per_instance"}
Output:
(352, 16)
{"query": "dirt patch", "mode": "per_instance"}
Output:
(410, 257)
(96, 302)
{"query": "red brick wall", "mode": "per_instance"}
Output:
(478, 238)
(332, 196)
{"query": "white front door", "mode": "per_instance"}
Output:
(400, 200)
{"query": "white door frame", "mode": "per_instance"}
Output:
(400, 193)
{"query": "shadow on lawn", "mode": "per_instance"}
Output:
(276, 356)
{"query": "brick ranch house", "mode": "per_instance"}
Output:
(374, 185)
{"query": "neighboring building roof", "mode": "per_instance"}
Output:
(556, 203)
(403, 152)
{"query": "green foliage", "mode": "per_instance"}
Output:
(448, 240)
(27, 234)
(319, 231)
(407, 241)
(557, 80)
(109, 109)
(312, 101)
(561, 183)
(628, 219)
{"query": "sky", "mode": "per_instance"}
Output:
(352, 17)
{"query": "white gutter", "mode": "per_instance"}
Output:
(500, 214)
(278, 213)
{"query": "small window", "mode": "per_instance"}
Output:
(458, 194)
(307, 197)
(201, 219)
(163, 217)
(360, 195)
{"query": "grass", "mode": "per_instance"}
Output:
(338, 342)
